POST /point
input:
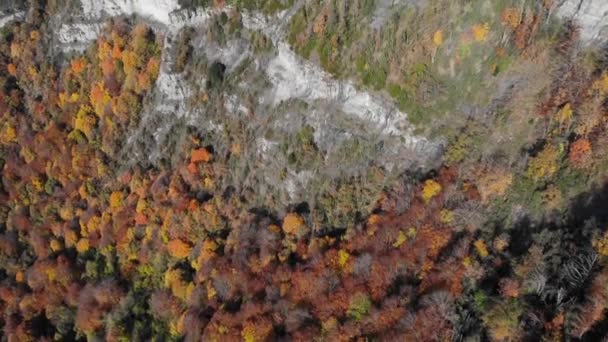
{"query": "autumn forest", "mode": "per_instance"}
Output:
(503, 238)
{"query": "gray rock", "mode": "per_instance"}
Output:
(590, 15)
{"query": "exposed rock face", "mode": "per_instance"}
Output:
(6, 17)
(590, 15)
(336, 109)
(158, 10)
(338, 112)
(78, 36)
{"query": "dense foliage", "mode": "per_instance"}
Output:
(505, 243)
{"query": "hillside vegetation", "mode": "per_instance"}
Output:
(505, 239)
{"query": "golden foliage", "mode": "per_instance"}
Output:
(319, 24)
(16, 50)
(56, 245)
(179, 288)
(178, 249)
(116, 199)
(510, 17)
(545, 164)
(104, 49)
(459, 149)
(480, 32)
(82, 245)
(85, 122)
(481, 248)
(70, 238)
(401, 239)
(446, 216)
(494, 183)
(256, 331)
(208, 251)
(565, 114)
(153, 68)
(502, 320)
(600, 244)
(99, 98)
(601, 85)
(430, 189)
(438, 38)
(343, 257)
(8, 134)
(34, 35)
(292, 223)
(130, 61)
(141, 205)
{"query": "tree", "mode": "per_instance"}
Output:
(580, 151)
(502, 320)
(200, 155)
(78, 65)
(215, 75)
(430, 189)
(293, 224)
(545, 164)
(178, 249)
